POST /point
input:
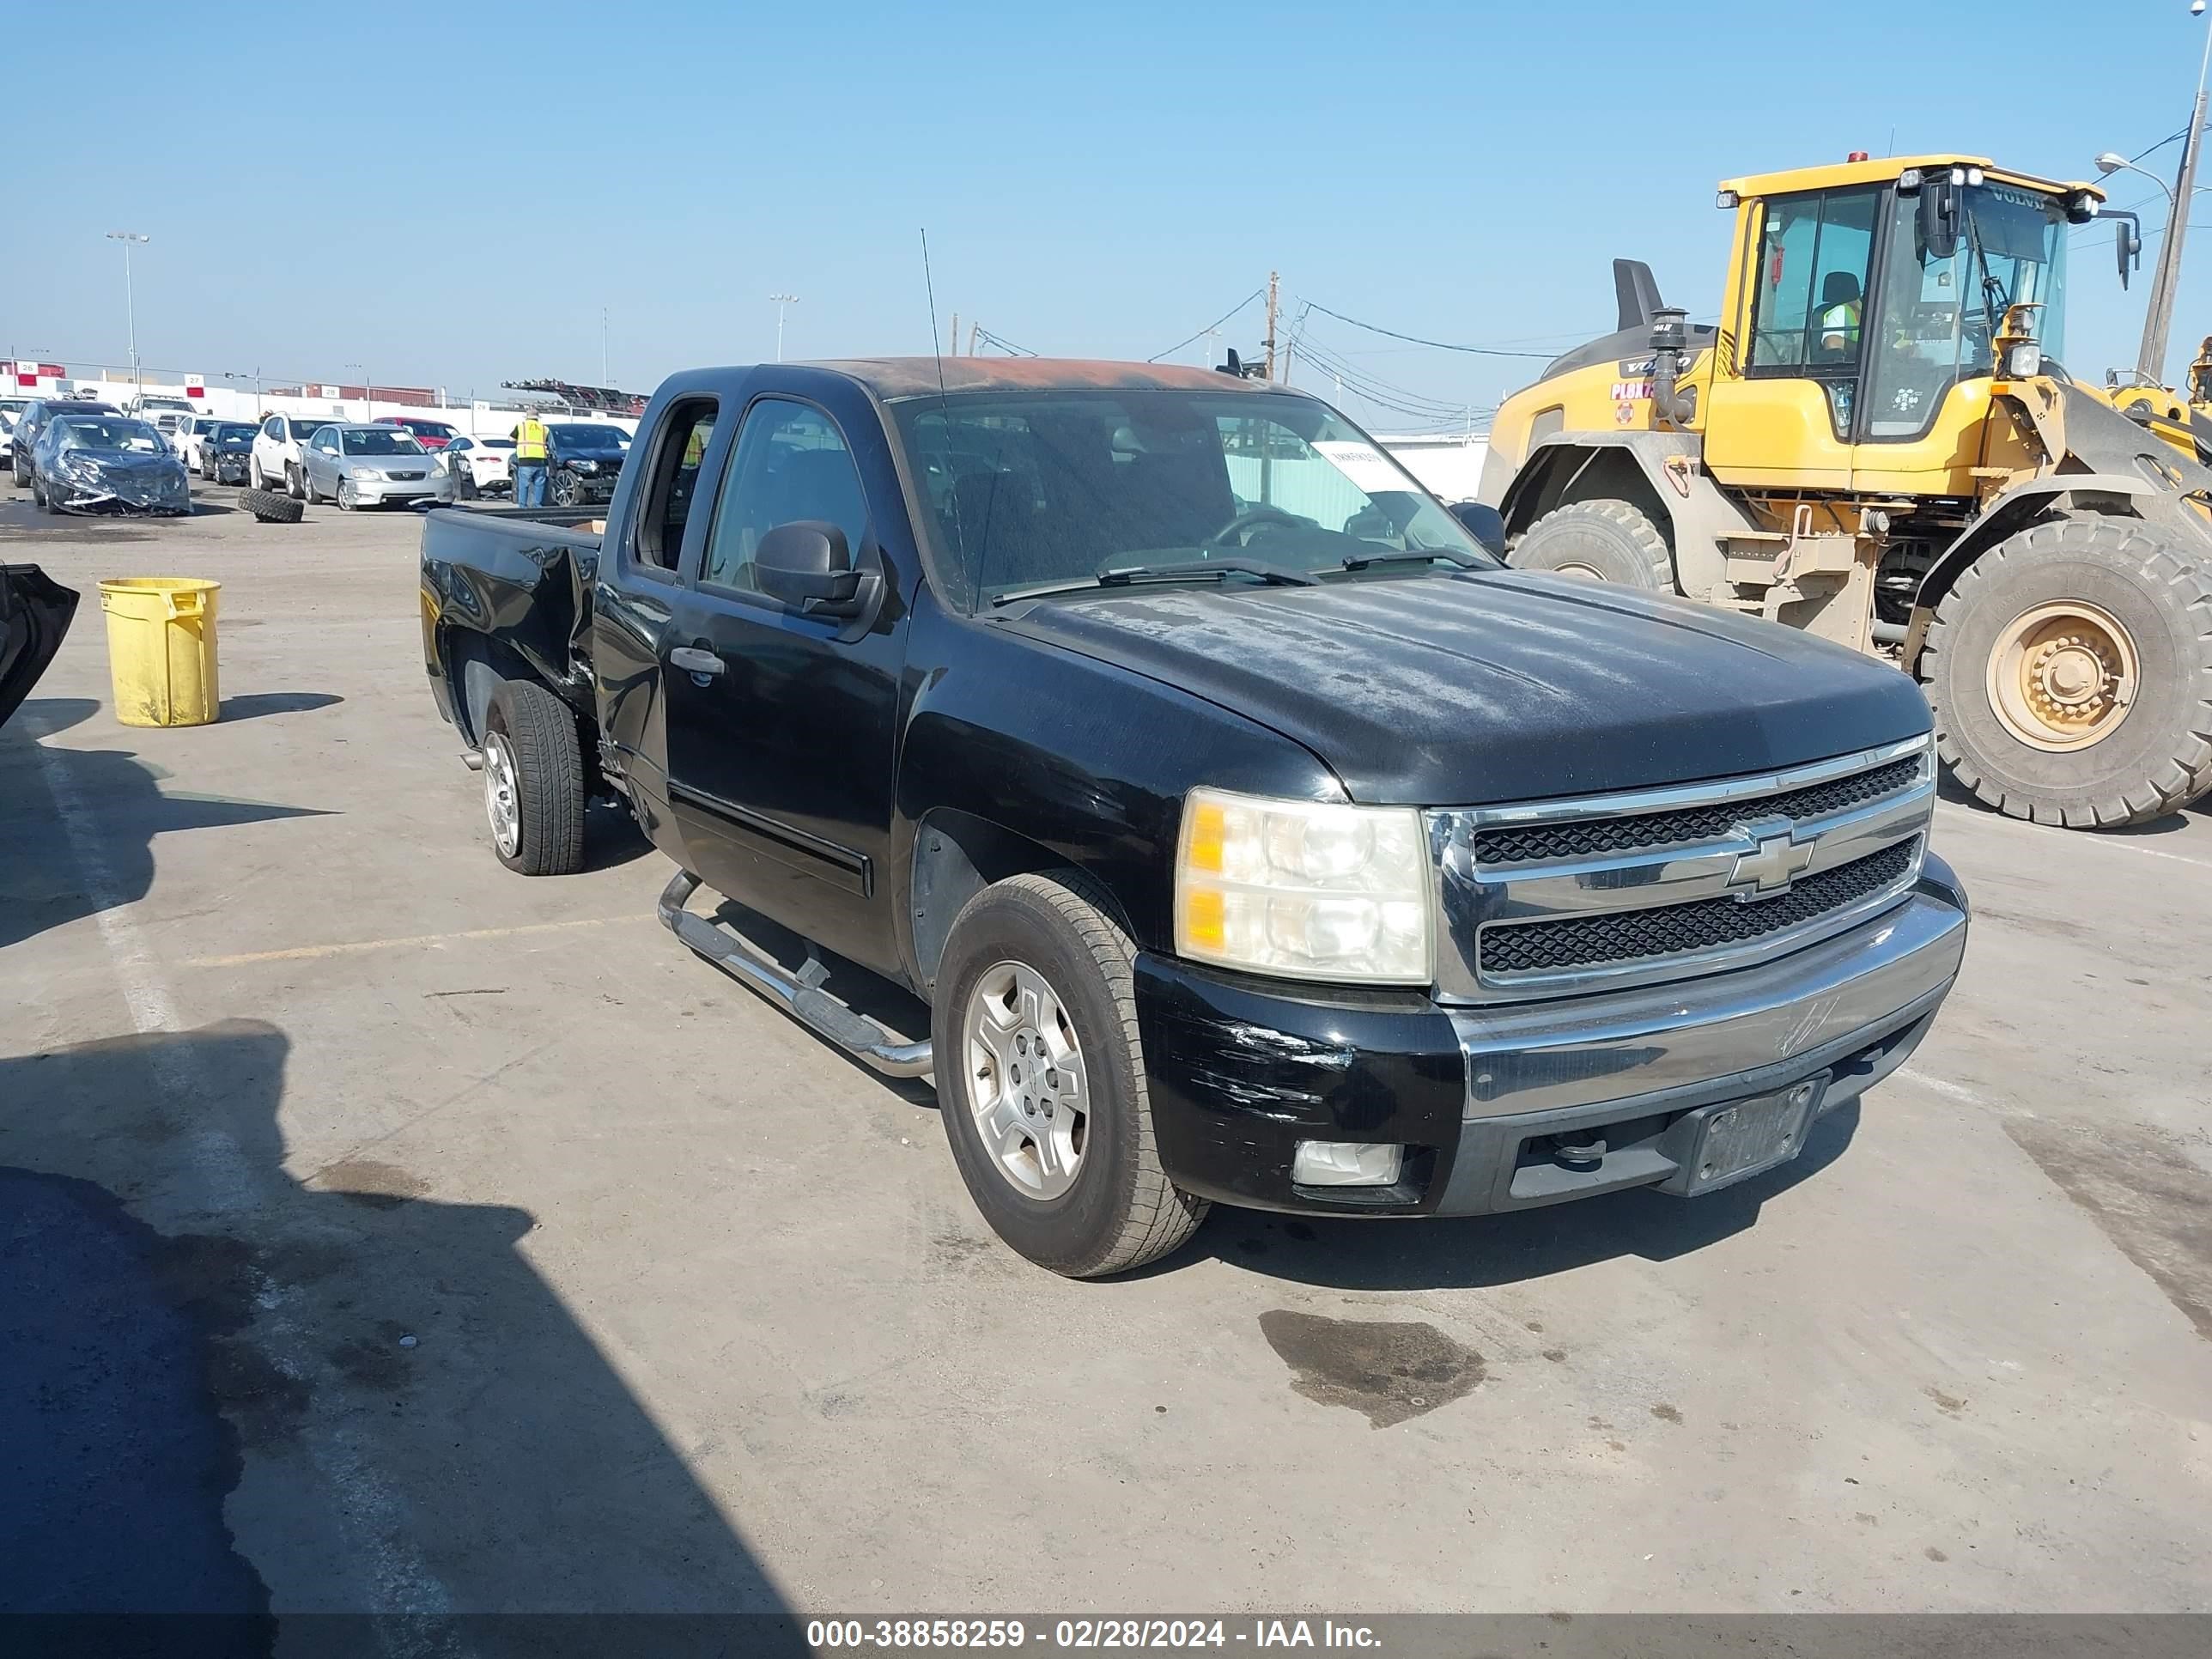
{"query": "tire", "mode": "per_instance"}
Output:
(565, 491)
(308, 493)
(531, 750)
(253, 478)
(296, 482)
(1611, 541)
(269, 507)
(2156, 755)
(349, 498)
(39, 499)
(1119, 1211)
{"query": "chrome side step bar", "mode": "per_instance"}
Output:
(798, 994)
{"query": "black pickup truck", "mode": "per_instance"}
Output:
(1251, 833)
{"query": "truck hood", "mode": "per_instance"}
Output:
(1485, 687)
(34, 614)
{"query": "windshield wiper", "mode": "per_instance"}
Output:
(1271, 575)
(1416, 555)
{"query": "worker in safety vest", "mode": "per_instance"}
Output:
(1840, 305)
(530, 453)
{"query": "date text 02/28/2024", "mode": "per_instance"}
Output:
(829, 1635)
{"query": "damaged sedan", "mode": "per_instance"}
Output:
(107, 464)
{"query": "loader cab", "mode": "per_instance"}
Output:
(1866, 299)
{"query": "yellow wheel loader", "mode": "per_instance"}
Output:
(1876, 442)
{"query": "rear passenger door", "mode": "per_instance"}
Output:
(781, 725)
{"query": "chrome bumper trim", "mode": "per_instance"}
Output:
(1618, 1046)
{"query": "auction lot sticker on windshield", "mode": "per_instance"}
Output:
(1365, 467)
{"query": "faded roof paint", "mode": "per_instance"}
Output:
(910, 377)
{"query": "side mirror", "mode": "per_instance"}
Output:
(1938, 218)
(1483, 522)
(807, 565)
(2127, 239)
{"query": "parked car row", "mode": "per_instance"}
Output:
(394, 458)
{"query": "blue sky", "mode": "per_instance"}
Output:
(450, 195)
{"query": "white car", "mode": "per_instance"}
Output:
(275, 464)
(172, 425)
(187, 437)
(477, 466)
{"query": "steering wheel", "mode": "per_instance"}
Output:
(1249, 519)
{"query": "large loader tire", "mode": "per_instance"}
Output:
(267, 507)
(2070, 671)
(1606, 541)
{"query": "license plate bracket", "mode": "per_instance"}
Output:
(1733, 1140)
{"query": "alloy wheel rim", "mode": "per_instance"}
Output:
(2063, 676)
(1029, 1089)
(502, 804)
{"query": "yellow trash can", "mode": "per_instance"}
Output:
(160, 649)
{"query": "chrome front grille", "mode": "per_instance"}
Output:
(1552, 898)
(1547, 843)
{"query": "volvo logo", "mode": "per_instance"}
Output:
(1777, 857)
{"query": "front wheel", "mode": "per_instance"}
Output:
(348, 497)
(1040, 1082)
(296, 482)
(566, 491)
(534, 780)
(1600, 541)
(2069, 668)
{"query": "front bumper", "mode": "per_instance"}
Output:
(118, 500)
(1239, 1072)
(379, 492)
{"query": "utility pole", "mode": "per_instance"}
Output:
(781, 301)
(1270, 341)
(974, 335)
(2158, 322)
(954, 337)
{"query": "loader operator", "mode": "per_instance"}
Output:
(1840, 303)
(530, 446)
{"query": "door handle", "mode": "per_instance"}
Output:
(692, 659)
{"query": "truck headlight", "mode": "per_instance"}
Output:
(1303, 890)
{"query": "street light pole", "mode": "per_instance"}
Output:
(129, 299)
(2164, 289)
(781, 301)
(368, 394)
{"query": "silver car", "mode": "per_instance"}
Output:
(366, 466)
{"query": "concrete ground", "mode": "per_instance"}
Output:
(387, 1230)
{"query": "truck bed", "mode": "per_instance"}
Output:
(521, 577)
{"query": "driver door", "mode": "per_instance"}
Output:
(1786, 419)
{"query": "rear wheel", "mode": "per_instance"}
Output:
(534, 780)
(2070, 671)
(1040, 1082)
(1603, 541)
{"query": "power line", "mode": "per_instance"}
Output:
(1001, 341)
(1440, 345)
(1210, 327)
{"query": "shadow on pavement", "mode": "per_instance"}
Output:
(255, 704)
(1478, 1252)
(42, 883)
(373, 1386)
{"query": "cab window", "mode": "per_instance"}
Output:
(791, 463)
(1810, 290)
(672, 480)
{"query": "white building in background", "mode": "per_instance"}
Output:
(1448, 462)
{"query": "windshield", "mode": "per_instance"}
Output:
(130, 437)
(301, 430)
(230, 431)
(379, 440)
(426, 428)
(496, 443)
(1030, 488)
(589, 437)
(1939, 316)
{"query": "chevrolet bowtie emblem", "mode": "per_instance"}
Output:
(1778, 860)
